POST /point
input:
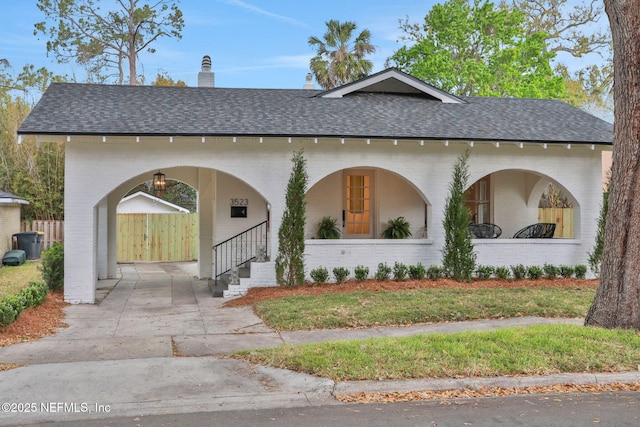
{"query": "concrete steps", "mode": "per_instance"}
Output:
(222, 285)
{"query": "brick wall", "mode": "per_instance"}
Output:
(415, 172)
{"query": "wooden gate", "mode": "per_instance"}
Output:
(562, 217)
(157, 237)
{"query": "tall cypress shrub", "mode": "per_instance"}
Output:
(458, 256)
(595, 256)
(290, 259)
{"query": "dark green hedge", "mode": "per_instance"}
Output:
(12, 305)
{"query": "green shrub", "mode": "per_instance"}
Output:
(550, 271)
(484, 271)
(12, 305)
(581, 271)
(383, 272)
(400, 271)
(53, 266)
(566, 271)
(328, 229)
(519, 271)
(290, 269)
(15, 301)
(341, 274)
(319, 275)
(417, 272)
(434, 272)
(397, 228)
(502, 273)
(458, 255)
(534, 272)
(8, 313)
(33, 294)
(361, 273)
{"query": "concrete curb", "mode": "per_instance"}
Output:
(355, 387)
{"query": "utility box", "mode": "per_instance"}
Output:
(15, 257)
(30, 242)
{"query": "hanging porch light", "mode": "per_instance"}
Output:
(159, 183)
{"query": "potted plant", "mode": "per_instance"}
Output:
(328, 228)
(397, 228)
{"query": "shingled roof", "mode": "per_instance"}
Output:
(8, 198)
(91, 109)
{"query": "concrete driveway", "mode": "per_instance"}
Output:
(154, 310)
(128, 355)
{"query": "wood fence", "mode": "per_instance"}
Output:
(140, 237)
(53, 231)
(157, 237)
(562, 217)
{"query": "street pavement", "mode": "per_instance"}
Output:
(617, 409)
(156, 343)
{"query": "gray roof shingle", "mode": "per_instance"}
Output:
(12, 198)
(91, 109)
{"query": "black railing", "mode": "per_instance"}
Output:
(239, 249)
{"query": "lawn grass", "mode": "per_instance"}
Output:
(367, 309)
(534, 350)
(14, 278)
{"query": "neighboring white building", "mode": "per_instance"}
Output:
(376, 149)
(141, 202)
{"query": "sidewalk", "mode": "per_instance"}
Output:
(134, 354)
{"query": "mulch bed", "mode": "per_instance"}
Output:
(36, 322)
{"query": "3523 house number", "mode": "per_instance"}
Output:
(239, 202)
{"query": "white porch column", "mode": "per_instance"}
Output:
(80, 251)
(206, 212)
(277, 209)
(103, 238)
(112, 235)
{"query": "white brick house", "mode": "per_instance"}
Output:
(389, 139)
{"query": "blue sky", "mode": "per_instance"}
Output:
(253, 43)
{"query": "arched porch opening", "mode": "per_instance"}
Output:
(158, 224)
(226, 206)
(514, 198)
(363, 199)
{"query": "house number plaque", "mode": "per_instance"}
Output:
(239, 202)
(239, 207)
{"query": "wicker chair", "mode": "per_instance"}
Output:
(485, 231)
(540, 230)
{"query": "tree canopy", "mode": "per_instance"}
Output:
(339, 58)
(102, 40)
(164, 79)
(575, 30)
(32, 171)
(470, 47)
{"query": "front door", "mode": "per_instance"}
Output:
(357, 215)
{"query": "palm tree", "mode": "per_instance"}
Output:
(338, 59)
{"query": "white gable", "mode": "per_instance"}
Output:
(141, 202)
(392, 81)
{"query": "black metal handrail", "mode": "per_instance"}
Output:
(239, 249)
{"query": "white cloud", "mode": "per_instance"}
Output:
(261, 11)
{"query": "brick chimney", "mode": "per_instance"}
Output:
(206, 77)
